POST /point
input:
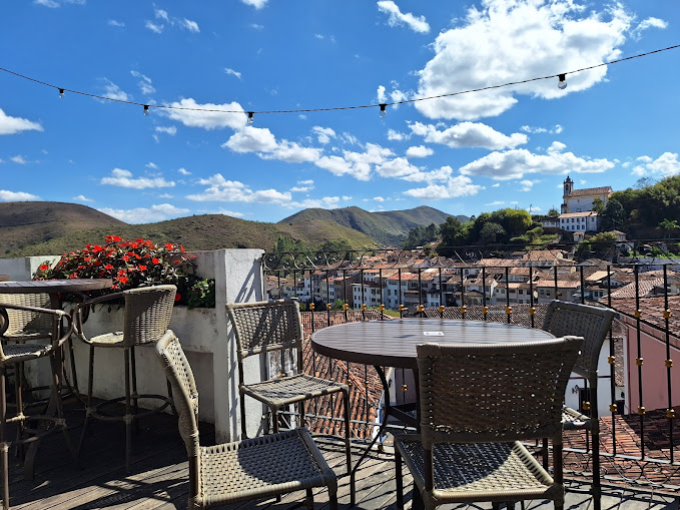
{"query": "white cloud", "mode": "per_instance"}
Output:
(516, 163)
(538, 130)
(323, 203)
(208, 119)
(378, 199)
(527, 185)
(152, 165)
(18, 159)
(468, 134)
(169, 130)
(166, 196)
(397, 167)
(258, 4)
(396, 17)
(495, 203)
(12, 125)
(221, 190)
(665, 165)
(154, 213)
(16, 196)
(647, 24)
(555, 37)
(396, 136)
(323, 134)
(256, 26)
(231, 213)
(303, 186)
(498, 185)
(114, 23)
(419, 151)
(231, 72)
(161, 14)
(356, 164)
(459, 186)
(155, 28)
(184, 171)
(124, 179)
(83, 198)
(189, 25)
(113, 91)
(47, 3)
(144, 83)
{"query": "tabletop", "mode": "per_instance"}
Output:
(54, 286)
(392, 343)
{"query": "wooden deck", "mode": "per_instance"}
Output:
(159, 476)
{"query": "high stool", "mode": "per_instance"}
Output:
(148, 311)
(15, 355)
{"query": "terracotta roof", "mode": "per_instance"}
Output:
(590, 191)
(630, 291)
(578, 214)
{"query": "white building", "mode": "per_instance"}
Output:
(581, 200)
(580, 222)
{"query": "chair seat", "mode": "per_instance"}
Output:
(108, 340)
(18, 352)
(479, 472)
(573, 420)
(258, 468)
(290, 389)
(27, 335)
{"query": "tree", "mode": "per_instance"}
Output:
(553, 213)
(668, 226)
(598, 205)
(452, 234)
(491, 232)
(614, 214)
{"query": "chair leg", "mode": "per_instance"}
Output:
(88, 406)
(128, 412)
(4, 445)
(399, 479)
(244, 434)
(333, 498)
(275, 419)
(18, 383)
(172, 400)
(135, 395)
(545, 453)
(348, 433)
(56, 391)
(597, 484)
(301, 412)
(309, 499)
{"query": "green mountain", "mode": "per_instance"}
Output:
(386, 227)
(49, 228)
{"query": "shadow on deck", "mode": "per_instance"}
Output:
(159, 476)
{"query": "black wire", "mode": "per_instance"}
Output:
(308, 110)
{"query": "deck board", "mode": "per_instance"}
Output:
(159, 476)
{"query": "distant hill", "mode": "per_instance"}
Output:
(386, 227)
(50, 228)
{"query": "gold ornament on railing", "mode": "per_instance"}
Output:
(641, 411)
(508, 310)
(611, 359)
(638, 313)
(441, 309)
(382, 307)
(532, 311)
(328, 306)
(345, 306)
(404, 388)
(586, 406)
(312, 306)
(463, 309)
(670, 414)
(612, 408)
(667, 314)
(669, 363)
(639, 361)
(421, 308)
(485, 310)
(363, 307)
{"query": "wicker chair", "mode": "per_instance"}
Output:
(15, 354)
(26, 325)
(593, 324)
(476, 403)
(258, 468)
(265, 327)
(148, 311)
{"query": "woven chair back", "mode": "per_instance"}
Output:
(148, 311)
(25, 322)
(184, 392)
(492, 393)
(266, 326)
(590, 322)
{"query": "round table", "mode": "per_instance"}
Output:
(392, 343)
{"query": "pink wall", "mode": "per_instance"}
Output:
(654, 373)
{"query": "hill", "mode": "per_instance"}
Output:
(50, 230)
(386, 227)
(24, 224)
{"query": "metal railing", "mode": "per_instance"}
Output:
(638, 444)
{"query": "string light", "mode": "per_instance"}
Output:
(61, 93)
(380, 105)
(383, 111)
(562, 83)
(146, 109)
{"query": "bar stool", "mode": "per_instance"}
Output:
(16, 354)
(148, 311)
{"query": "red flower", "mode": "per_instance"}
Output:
(182, 248)
(169, 246)
(155, 260)
(73, 276)
(44, 267)
(126, 258)
(178, 296)
(123, 279)
(108, 266)
(142, 268)
(97, 249)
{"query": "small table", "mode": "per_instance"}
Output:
(392, 343)
(54, 288)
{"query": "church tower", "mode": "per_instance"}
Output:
(568, 188)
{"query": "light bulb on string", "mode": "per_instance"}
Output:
(61, 93)
(251, 118)
(146, 109)
(562, 83)
(383, 110)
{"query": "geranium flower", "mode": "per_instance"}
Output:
(155, 260)
(44, 267)
(108, 266)
(169, 246)
(178, 296)
(123, 279)
(142, 268)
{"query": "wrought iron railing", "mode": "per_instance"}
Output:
(638, 443)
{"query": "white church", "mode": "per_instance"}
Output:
(577, 214)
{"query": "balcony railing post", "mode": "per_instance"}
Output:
(639, 360)
(612, 365)
(670, 412)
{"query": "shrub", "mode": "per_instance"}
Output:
(132, 264)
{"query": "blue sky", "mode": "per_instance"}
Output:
(508, 147)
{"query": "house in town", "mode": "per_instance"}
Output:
(581, 200)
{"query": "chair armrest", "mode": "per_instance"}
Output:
(100, 299)
(58, 315)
